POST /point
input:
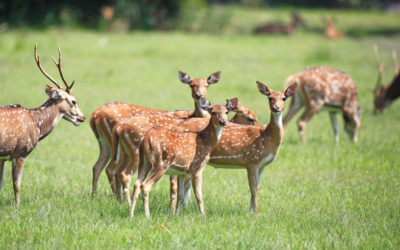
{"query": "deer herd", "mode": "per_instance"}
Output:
(134, 139)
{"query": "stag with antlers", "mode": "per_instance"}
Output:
(385, 95)
(22, 128)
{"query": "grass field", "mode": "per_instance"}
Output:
(314, 195)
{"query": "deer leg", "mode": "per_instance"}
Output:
(146, 186)
(100, 164)
(181, 192)
(127, 172)
(334, 125)
(173, 192)
(252, 176)
(304, 118)
(143, 172)
(295, 106)
(17, 165)
(197, 187)
(188, 183)
(110, 171)
(1, 174)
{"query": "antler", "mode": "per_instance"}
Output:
(58, 64)
(380, 68)
(42, 70)
(395, 63)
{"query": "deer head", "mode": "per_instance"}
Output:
(199, 85)
(277, 98)
(379, 92)
(63, 98)
(219, 113)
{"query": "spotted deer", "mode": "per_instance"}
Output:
(22, 128)
(279, 28)
(385, 95)
(325, 87)
(179, 153)
(251, 146)
(104, 118)
(331, 31)
(244, 115)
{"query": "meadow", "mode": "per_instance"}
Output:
(315, 195)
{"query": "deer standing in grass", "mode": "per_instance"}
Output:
(385, 95)
(104, 118)
(179, 153)
(331, 31)
(22, 128)
(325, 87)
(251, 147)
(129, 133)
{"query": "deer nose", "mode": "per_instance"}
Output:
(198, 95)
(81, 119)
(223, 123)
(275, 109)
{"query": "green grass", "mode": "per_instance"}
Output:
(317, 195)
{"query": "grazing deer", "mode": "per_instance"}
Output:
(325, 87)
(244, 116)
(21, 128)
(385, 95)
(287, 29)
(104, 118)
(251, 146)
(179, 153)
(331, 31)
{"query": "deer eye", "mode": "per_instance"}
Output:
(226, 112)
(284, 98)
(251, 120)
(74, 102)
(270, 99)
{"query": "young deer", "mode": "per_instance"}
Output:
(320, 87)
(104, 118)
(279, 28)
(22, 128)
(385, 95)
(252, 147)
(179, 153)
(331, 31)
(244, 116)
(129, 133)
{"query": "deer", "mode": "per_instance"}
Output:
(104, 118)
(331, 31)
(244, 115)
(385, 95)
(22, 128)
(179, 153)
(325, 87)
(250, 146)
(129, 133)
(287, 29)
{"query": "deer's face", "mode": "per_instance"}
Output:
(199, 85)
(277, 99)
(379, 100)
(67, 105)
(219, 113)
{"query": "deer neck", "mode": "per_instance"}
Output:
(275, 128)
(46, 117)
(198, 111)
(211, 134)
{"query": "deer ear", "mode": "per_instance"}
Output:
(184, 78)
(263, 89)
(204, 104)
(231, 104)
(52, 92)
(214, 78)
(291, 89)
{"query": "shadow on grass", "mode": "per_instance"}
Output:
(363, 32)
